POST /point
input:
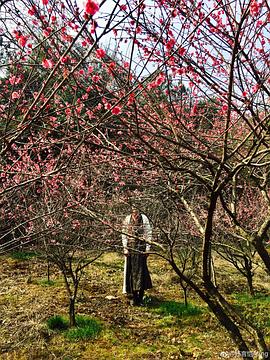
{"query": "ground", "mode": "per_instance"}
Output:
(154, 331)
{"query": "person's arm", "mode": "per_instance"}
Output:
(148, 232)
(124, 236)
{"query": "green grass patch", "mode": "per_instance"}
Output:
(178, 309)
(86, 328)
(57, 322)
(46, 282)
(244, 298)
(255, 308)
(23, 255)
(172, 308)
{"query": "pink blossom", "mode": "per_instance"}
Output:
(95, 78)
(255, 88)
(15, 95)
(64, 59)
(116, 110)
(170, 44)
(160, 79)
(22, 40)
(91, 7)
(225, 107)
(47, 63)
(47, 31)
(254, 8)
(100, 53)
(90, 69)
(181, 51)
(123, 7)
(107, 106)
(32, 11)
(15, 80)
(45, 2)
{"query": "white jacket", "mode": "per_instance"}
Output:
(147, 233)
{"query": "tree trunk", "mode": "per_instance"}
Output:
(72, 320)
(185, 295)
(249, 275)
(250, 284)
(237, 318)
(221, 313)
(231, 327)
(263, 253)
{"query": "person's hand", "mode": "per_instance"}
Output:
(126, 252)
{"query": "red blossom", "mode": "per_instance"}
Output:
(123, 7)
(181, 51)
(116, 110)
(32, 11)
(100, 53)
(90, 69)
(170, 44)
(45, 2)
(65, 59)
(174, 12)
(91, 7)
(95, 78)
(254, 8)
(47, 63)
(22, 40)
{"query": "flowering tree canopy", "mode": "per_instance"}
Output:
(163, 99)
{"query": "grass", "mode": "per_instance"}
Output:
(46, 282)
(86, 328)
(57, 322)
(245, 298)
(23, 255)
(163, 329)
(255, 308)
(172, 308)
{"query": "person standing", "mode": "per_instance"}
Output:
(137, 234)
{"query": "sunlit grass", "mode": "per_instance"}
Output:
(172, 308)
(86, 328)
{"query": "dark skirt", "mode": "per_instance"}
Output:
(137, 274)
